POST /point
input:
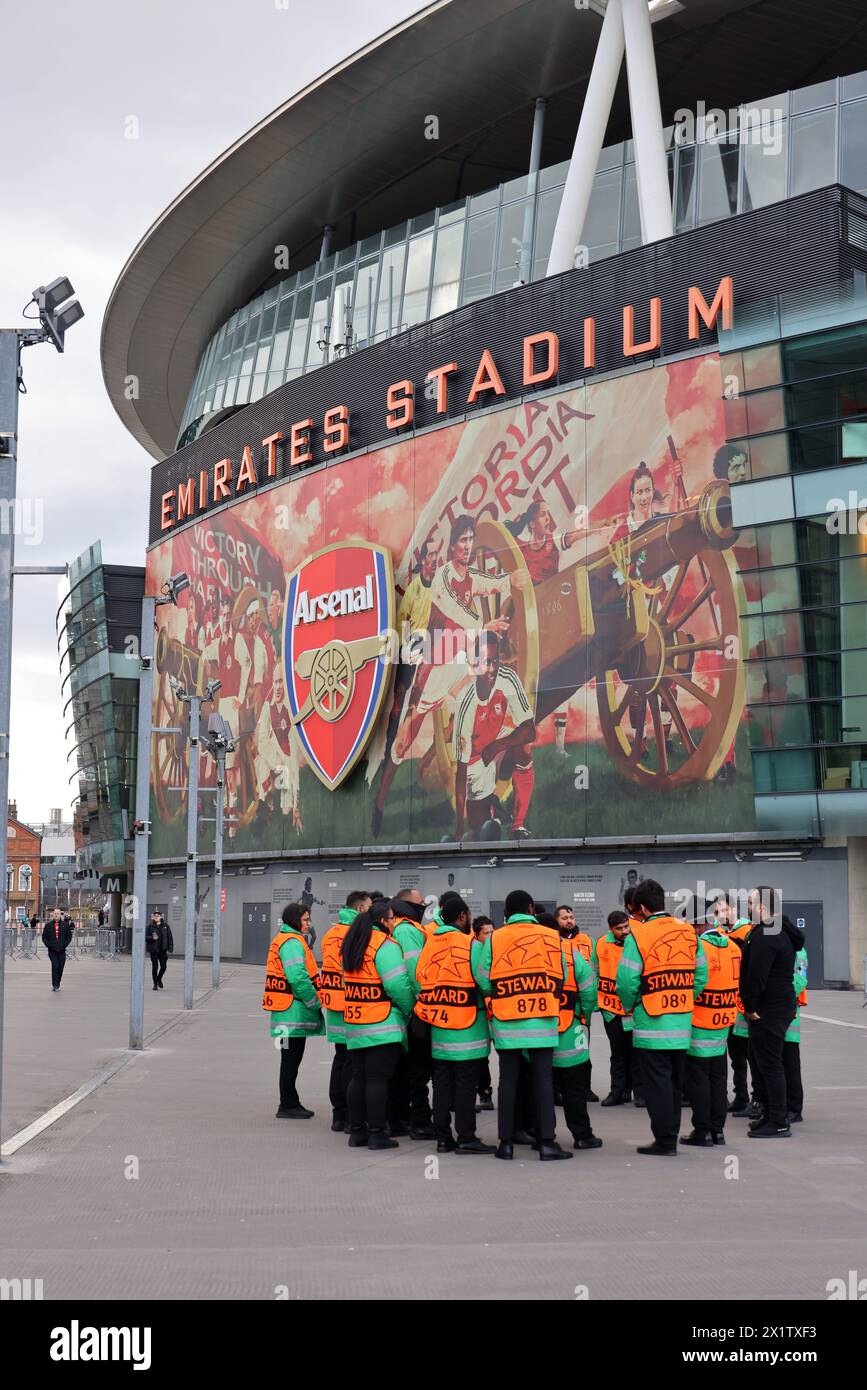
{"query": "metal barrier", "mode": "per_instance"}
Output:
(21, 942)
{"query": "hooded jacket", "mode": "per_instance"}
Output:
(410, 935)
(516, 1034)
(768, 970)
(303, 1018)
(711, 1042)
(334, 1026)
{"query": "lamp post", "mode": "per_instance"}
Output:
(218, 741)
(195, 702)
(55, 316)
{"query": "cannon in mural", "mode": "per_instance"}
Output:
(652, 621)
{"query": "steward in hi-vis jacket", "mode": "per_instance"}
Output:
(572, 1054)
(712, 1016)
(617, 1022)
(449, 1001)
(331, 999)
(744, 1105)
(377, 1001)
(410, 1111)
(792, 1044)
(521, 970)
(291, 984)
(659, 975)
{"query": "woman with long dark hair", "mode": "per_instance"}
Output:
(291, 983)
(378, 1000)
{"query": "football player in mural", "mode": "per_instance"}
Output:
(273, 624)
(276, 760)
(493, 733)
(412, 625)
(542, 549)
(229, 656)
(455, 621)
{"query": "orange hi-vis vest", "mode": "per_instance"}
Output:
(569, 992)
(428, 928)
(331, 994)
(716, 1006)
(608, 955)
(448, 996)
(526, 971)
(668, 948)
(278, 992)
(584, 944)
(365, 997)
(740, 935)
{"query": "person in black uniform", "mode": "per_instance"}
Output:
(158, 939)
(56, 936)
(768, 996)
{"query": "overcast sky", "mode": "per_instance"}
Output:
(77, 198)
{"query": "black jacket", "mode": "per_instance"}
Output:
(768, 969)
(165, 942)
(50, 937)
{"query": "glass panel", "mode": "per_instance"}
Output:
(718, 184)
(452, 212)
(447, 269)
(319, 318)
(685, 196)
(853, 625)
(791, 725)
(422, 223)
(517, 188)
(813, 151)
(819, 94)
(769, 456)
(610, 158)
(603, 214)
(765, 411)
(299, 329)
(631, 227)
(854, 86)
(762, 366)
(779, 589)
(815, 449)
(765, 165)
(783, 772)
(341, 301)
(853, 140)
(365, 295)
(547, 207)
(387, 319)
(415, 292)
(483, 202)
(370, 245)
(516, 230)
(479, 257)
(555, 175)
(395, 235)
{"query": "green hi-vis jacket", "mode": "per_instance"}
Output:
(573, 1044)
(710, 1042)
(410, 937)
(303, 1018)
(626, 1019)
(513, 1034)
(334, 1027)
(793, 1032)
(390, 967)
(740, 1027)
(463, 1044)
(666, 1032)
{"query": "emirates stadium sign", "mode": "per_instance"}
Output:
(339, 613)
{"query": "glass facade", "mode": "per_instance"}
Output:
(482, 245)
(99, 627)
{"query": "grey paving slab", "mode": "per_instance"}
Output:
(232, 1203)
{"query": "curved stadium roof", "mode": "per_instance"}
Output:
(351, 149)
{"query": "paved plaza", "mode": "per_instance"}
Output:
(229, 1202)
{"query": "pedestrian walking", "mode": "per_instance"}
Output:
(56, 937)
(160, 946)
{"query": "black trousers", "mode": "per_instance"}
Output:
(367, 1093)
(341, 1070)
(541, 1069)
(409, 1100)
(454, 1088)
(739, 1049)
(574, 1085)
(620, 1042)
(159, 961)
(767, 1039)
(58, 961)
(662, 1075)
(794, 1084)
(707, 1092)
(291, 1052)
(484, 1084)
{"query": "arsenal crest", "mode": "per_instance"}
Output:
(339, 606)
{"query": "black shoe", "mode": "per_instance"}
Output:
(294, 1112)
(639, 1102)
(160, 983)
(717, 1136)
(588, 1141)
(504, 1150)
(446, 1146)
(739, 1103)
(520, 1136)
(558, 1098)
(698, 1138)
(358, 1138)
(614, 1098)
(338, 1123)
(795, 1117)
(421, 1132)
(754, 1111)
(156, 987)
(398, 1128)
(756, 1124)
(657, 1150)
(549, 1151)
(378, 1139)
(474, 1146)
(591, 1096)
(769, 1131)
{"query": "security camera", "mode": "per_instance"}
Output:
(174, 586)
(211, 689)
(740, 855)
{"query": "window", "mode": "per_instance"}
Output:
(415, 294)
(853, 143)
(813, 141)
(481, 232)
(765, 162)
(25, 878)
(447, 269)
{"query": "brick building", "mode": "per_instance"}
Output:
(23, 856)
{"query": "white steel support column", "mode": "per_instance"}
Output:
(651, 168)
(588, 141)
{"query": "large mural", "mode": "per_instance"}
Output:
(565, 658)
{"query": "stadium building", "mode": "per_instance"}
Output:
(506, 390)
